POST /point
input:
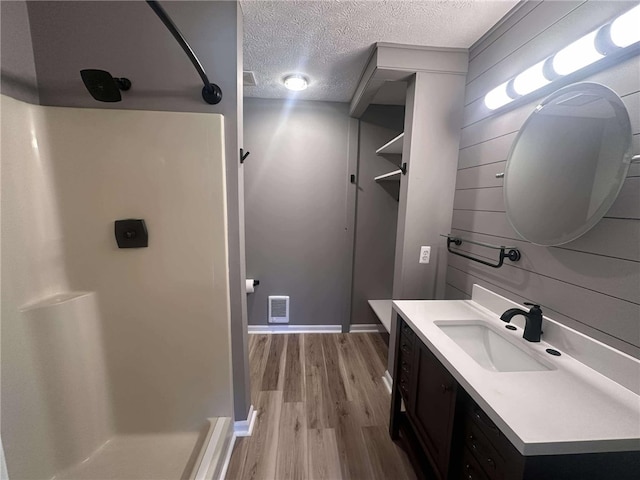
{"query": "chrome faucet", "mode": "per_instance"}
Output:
(533, 325)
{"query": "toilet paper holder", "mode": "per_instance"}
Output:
(251, 284)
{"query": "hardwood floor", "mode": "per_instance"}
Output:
(323, 411)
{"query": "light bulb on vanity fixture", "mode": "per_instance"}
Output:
(531, 79)
(625, 30)
(497, 97)
(578, 55)
(611, 40)
(296, 82)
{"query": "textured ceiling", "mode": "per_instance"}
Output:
(330, 40)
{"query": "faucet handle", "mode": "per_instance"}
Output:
(534, 308)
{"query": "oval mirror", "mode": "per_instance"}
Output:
(567, 164)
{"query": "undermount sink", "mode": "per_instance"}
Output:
(489, 348)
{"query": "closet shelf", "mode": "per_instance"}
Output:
(389, 177)
(392, 147)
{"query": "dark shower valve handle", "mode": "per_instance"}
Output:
(131, 233)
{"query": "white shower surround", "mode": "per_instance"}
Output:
(144, 356)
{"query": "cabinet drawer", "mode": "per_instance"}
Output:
(470, 468)
(484, 422)
(509, 461)
(484, 451)
(406, 331)
(404, 387)
(405, 364)
(406, 342)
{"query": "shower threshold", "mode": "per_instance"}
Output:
(159, 456)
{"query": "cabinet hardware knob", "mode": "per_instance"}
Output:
(445, 388)
(491, 462)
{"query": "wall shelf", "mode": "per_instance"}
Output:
(389, 177)
(392, 150)
(392, 147)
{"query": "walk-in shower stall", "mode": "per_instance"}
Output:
(115, 361)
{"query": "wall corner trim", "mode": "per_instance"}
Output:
(244, 428)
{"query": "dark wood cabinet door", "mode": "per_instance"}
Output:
(432, 405)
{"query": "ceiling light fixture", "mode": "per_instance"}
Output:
(607, 41)
(296, 82)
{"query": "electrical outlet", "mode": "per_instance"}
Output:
(425, 254)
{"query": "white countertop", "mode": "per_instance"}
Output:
(570, 409)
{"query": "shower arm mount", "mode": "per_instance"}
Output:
(211, 92)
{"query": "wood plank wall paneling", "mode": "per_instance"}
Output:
(593, 283)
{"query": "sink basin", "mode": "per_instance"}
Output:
(489, 348)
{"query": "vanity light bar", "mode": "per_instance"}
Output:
(610, 38)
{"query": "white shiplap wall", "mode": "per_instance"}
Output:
(593, 283)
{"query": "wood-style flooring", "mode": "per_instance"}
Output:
(323, 411)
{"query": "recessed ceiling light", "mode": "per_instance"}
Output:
(296, 82)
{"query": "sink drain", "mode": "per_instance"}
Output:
(553, 352)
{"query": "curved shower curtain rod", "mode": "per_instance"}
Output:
(211, 92)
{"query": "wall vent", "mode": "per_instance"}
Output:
(278, 309)
(249, 79)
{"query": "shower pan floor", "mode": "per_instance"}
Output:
(168, 456)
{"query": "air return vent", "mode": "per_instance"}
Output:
(278, 309)
(249, 79)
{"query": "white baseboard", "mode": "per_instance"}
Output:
(227, 459)
(244, 428)
(367, 328)
(387, 380)
(253, 329)
(215, 454)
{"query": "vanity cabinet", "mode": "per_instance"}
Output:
(448, 436)
(429, 394)
(488, 454)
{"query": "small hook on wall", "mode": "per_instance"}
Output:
(243, 155)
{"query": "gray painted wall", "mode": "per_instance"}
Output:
(296, 181)
(127, 39)
(431, 139)
(376, 214)
(593, 283)
(18, 72)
